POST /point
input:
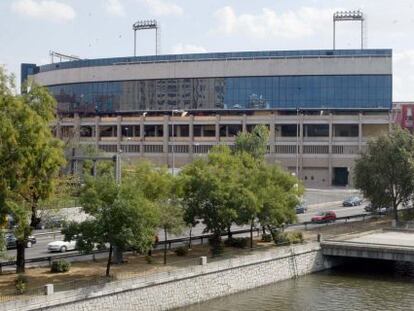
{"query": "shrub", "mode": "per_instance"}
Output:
(288, 238)
(21, 283)
(181, 251)
(295, 237)
(149, 259)
(267, 237)
(237, 242)
(60, 266)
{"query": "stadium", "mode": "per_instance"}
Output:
(321, 106)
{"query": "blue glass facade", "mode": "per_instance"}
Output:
(277, 92)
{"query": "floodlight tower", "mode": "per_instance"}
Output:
(144, 25)
(349, 16)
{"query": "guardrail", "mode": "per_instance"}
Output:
(49, 259)
(170, 242)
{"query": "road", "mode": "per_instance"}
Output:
(40, 248)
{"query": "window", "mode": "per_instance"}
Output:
(316, 130)
(289, 130)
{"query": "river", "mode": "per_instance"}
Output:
(358, 285)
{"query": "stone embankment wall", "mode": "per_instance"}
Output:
(186, 286)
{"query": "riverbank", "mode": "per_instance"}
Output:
(189, 285)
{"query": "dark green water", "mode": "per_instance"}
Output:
(359, 285)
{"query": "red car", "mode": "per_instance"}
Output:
(324, 217)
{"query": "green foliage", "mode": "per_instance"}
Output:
(121, 217)
(211, 189)
(181, 251)
(30, 156)
(20, 284)
(384, 173)
(60, 266)
(158, 186)
(254, 143)
(237, 242)
(284, 238)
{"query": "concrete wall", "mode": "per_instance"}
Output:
(188, 285)
(220, 68)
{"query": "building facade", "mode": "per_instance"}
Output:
(320, 106)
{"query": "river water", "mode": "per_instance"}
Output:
(358, 285)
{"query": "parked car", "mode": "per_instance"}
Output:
(352, 201)
(301, 208)
(324, 217)
(61, 246)
(11, 241)
(370, 208)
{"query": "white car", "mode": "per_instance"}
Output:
(61, 246)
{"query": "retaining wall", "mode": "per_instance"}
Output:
(186, 286)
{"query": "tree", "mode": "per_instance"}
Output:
(210, 191)
(384, 172)
(121, 217)
(254, 143)
(159, 187)
(31, 157)
(278, 194)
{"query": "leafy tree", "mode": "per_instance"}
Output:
(158, 186)
(384, 172)
(254, 143)
(278, 194)
(210, 189)
(121, 217)
(31, 157)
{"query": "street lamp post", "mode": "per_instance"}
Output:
(183, 114)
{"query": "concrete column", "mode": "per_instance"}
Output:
(390, 123)
(244, 123)
(141, 135)
(118, 133)
(330, 169)
(191, 134)
(58, 128)
(49, 289)
(97, 136)
(166, 134)
(272, 134)
(217, 129)
(360, 132)
(301, 146)
(76, 137)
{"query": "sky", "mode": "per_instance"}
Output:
(103, 28)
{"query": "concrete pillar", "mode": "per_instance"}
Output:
(330, 169)
(272, 134)
(58, 128)
(166, 135)
(191, 135)
(203, 260)
(97, 136)
(217, 129)
(360, 132)
(49, 289)
(390, 123)
(76, 129)
(118, 133)
(244, 123)
(301, 117)
(141, 135)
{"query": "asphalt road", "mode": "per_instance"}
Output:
(40, 248)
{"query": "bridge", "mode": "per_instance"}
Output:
(391, 244)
